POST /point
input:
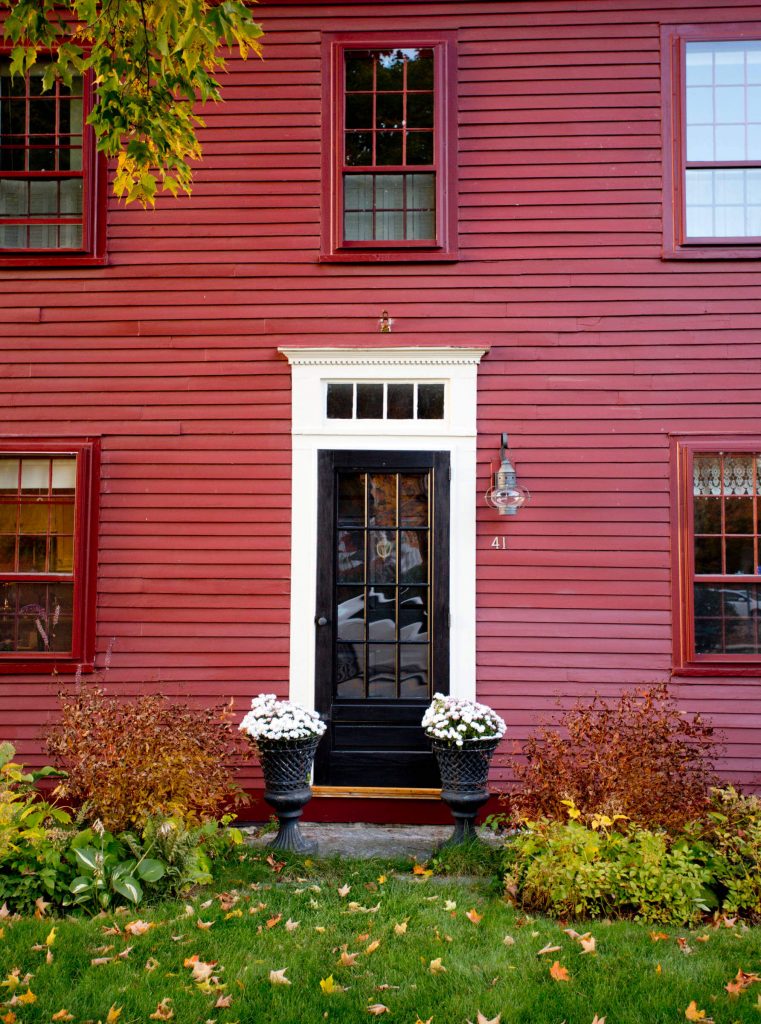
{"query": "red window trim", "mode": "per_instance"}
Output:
(94, 202)
(685, 661)
(333, 248)
(82, 654)
(673, 39)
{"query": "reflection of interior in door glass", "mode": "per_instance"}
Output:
(413, 499)
(381, 670)
(381, 613)
(413, 670)
(413, 559)
(350, 672)
(381, 499)
(382, 556)
(351, 556)
(351, 499)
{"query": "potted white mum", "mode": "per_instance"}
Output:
(464, 736)
(285, 736)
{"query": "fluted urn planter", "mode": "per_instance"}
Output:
(464, 777)
(287, 768)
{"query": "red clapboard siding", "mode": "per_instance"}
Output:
(599, 350)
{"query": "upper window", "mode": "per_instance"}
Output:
(390, 142)
(394, 400)
(713, 151)
(46, 535)
(720, 549)
(48, 186)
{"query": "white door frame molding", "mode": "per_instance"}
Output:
(312, 369)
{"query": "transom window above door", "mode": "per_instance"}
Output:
(389, 400)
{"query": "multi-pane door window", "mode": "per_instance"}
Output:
(383, 586)
(389, 173)
(45, 519)
(727, 559)
(391, 139)
(723, 139)
(50, 179)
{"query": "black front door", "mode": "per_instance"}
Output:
(382, 617)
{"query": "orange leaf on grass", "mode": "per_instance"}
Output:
(693, 1013)
(372, 947)
(474, 916)
(376, 1009)
(559, 973)
(63, 1015)
(223, 1002)
(164, 1010)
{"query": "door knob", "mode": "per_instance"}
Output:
(320, 620)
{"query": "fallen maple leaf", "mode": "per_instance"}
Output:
(274, 920)
(276, 865)
(450, 905)
(658, 936)
(138, 927)
(401, 928)
(41, 907)
(9, 1017)
(436, 966)
(50, 938)
(740, 982)
(598, 1020)
(329, 987)
(279, 978)
(571, 933)
(164, 1010)
(63, 1015)
(421, 869)
(480, 1019)
(382, 879)
(548, 949)
(98, 961)
(693, 1013)
(113, 1014)
(508, 941)
(702, 938)
(372, 947)
(588, 944)
(204, 925)
(348, 959)
(559, 973)
(344, 890)
(474, 916)
(223, 1002)
(376, 1009)
(429, 1021)
(233, 913)
(291, 926)
(684, 946)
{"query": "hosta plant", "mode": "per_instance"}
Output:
(453, 720)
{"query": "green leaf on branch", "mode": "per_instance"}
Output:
(151, 61)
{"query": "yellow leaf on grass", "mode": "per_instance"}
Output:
(450, 905)
(658, 936)
(693, 1013)
(164, 1010)
(436, 966)
(51, 937)
(329, 986)
(203, 925)
(372, 947)
(347, 959)
(63, 1015)
(138, 927)
(474, 916)
(429, 1021)
(27, 998)
(113, 1014)
(421, 869)
(382, 879)
(559, 973)
(480, 1019)
(9, 1017)
(151, 964)
(279, 978)
(588, 944)
(508, 941)
(233, 913)
(12, 981)
(548, 949)
(401, 928)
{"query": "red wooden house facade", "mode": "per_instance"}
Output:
(245, 437)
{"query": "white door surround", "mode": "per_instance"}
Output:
(312, 369)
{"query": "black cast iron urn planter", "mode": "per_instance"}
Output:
(287, 766)
(464, 775)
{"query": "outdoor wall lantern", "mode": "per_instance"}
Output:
(506, 494)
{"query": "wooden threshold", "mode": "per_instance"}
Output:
(376, 792)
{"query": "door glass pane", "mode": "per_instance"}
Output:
(350, 670)
(382, 556)
(381, 670)
(413, 499)
(413, 559)
(381, 499)
(413, 613)
(351, 556)
(381, 614)
(350, 614)
(413, 670)
(351, 499)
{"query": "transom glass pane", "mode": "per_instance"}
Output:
(391, 400)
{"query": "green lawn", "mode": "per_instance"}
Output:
(629, 979)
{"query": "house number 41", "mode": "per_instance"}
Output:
(500, 543)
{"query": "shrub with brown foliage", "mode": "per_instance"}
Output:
(130, 759)
(639, 756)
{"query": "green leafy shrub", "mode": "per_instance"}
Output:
(33, 837)
(130, 760)
(639, 756)
(729, 838)
(571, 869)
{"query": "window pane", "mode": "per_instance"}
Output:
(707, 515)
(8, 518)
(722, 202)
(358, 191)
(35, 476)
(389, 225)
(430, 401)
(64, 476)
(7, 553)
(9, 469)
(359, 70)
(738, 514)
(419, 69)
(381, 670)
(389, 110)
(358, 227)
(421, 225)
(389, 191)
(62, 554)
(34, 517)
(420, 148)
(340, 401)
(359, 148)
(369, 401)
(726, 619)
(420, 110)
(413, 671)
(390, 71)
(400, 401)
(359, 110)
(708, 555)
(351, 556)
(413, 499)
(32, 554)
(413, 561)
(388, 148)
(413, 613)
(740, 556)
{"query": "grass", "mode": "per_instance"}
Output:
(631, 979)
